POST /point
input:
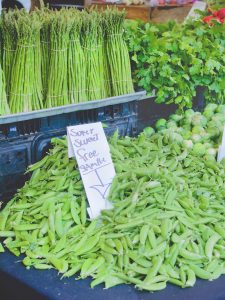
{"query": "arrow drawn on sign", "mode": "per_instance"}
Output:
(102, 188)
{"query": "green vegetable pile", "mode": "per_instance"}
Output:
(167, 221)
(200, 133)
(176, 59)
(53, 58)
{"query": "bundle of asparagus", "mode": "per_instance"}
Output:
(9, 40)
(76, 61)
(117, 52)
(46, 17)
(60, 26)
(90, 31)
(26, 87)
(4, 108)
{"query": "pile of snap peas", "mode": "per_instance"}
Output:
(166, 226)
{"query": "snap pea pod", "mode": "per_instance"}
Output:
(72, 271)
(1, 248)
(210, 245)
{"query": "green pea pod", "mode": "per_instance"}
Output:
(210, 244)
(27, 261)
(41, 266)
(126, 243)
(1, 248)
(183, 276)
(152, 287)
(172, 272)
(136, 239)
(83, 215)
(201, 273)
(163, 270)
(51, 236)
(129, 225)
(220, 231)
(190, 255)
(110, 243)
(159, 278)
(176, 282)
(51, 216)
(152, 238)
(95, 266)
(191, 278)
(81, 243)
(60, 264)
(38, 165)
(217, 272)
(143, 234)
(7, 234)
(138, 269)
(89, 245)
(3, 218)
(108, 257)
(212, 266)
(86, 267)
(127, 279)
(35, 176)
(174, 252)
(108, 249)
(74, 213)
(90, 230)
(113, 280)
(58, 223)
(98, 281)
(157, 262)
(72, 271)
(170, 197)
(60, 245)
(116, 235)
(119, 246)
(158, 250)
(18, 218)
(165, 227)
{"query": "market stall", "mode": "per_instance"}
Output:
(112, 155)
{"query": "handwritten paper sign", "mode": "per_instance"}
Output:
(89, 145)
(221, 150)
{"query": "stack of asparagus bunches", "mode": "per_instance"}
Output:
(167, 222)
(53, 58)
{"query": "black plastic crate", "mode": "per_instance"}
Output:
(110, 109)
(149, 111)
(15, 156)
(25, 138)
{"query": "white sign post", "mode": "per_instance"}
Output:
(221, 150)
(89, 145)
(198, 5)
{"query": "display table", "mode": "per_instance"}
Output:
(21, 284)
(141, 12)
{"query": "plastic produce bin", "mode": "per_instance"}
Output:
(25, 137)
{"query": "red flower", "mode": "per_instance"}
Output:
(208, 19)
(221, 13)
